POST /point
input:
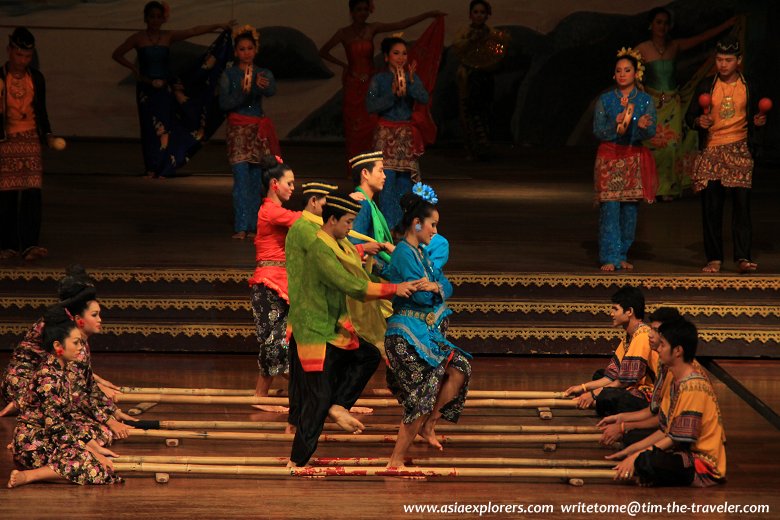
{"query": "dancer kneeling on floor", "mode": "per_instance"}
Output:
(45, 443)
(428, 374)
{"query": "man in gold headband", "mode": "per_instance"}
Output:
(369, 177)
(334, 363)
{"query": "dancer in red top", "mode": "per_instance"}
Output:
(358, 41)
(270, 301)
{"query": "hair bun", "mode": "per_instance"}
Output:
(55, 315)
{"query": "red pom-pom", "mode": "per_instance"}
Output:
(705, 100)
(765, 105)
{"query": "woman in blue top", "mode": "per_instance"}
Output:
(250, 135)
(428, 375)
(624, 172)
(176, 115)
(392, 95)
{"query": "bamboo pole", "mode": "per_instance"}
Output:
(370, 461)
(372, 403)
(376, 392)
(140, 408)
(341, 471)
(371, 438)
(445, 428)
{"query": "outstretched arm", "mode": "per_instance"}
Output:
(381, 27)
(689, 43)
(186, 34)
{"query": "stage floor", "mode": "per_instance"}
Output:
(528, 210)
(753, 451)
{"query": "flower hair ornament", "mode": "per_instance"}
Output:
(640, 68)
(247, 29)
(425, 192)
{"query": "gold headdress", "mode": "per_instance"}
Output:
(640, 68)
(247, 29)
(366, 157)
(318, 188)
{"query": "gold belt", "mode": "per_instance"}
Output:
(271, 263)
(428, 317)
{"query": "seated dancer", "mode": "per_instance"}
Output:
(94, 411)
(627, 383)
(688, 448)
(631, 427)
(250, 135)
(392, 95)
(176, 115)
(428, 374)
(270, 301)
(335, 363)
(45, 444)
(369, 177)
(624, 172)
(29, 353)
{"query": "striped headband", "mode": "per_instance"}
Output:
(364, 158)
(344, 203)
(319, 188)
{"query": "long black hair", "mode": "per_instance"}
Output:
(76, 290)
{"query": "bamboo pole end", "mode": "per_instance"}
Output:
(172, 443)
(135, 412)
(576, 482)
(545, 413)
(549, 448)
(162, 478)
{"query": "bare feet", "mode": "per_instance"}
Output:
(9, 409)
(271, 408)
(626, 266)
(16, 479)
(361, 410)
(241, 235)
(344, 420)
(608, 267)
(427, 432)
(711, 267)
(746, 266)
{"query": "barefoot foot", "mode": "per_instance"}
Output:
(626, 266)
(16, 479)
(241, 235)
(746, 266)
(361, 410)
(271, 408)
(344, 420)
(712, 267)
(608, 267)
(427, 432)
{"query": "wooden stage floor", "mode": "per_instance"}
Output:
(753, 453)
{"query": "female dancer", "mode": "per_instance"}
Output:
(358, 42)
(250, 135)
(94, 413)
(480, 49)
(270, 301)
(673, 149)
(428, 374)
(174, 120)
(624, 172)
(44, 442)
(392, 95)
